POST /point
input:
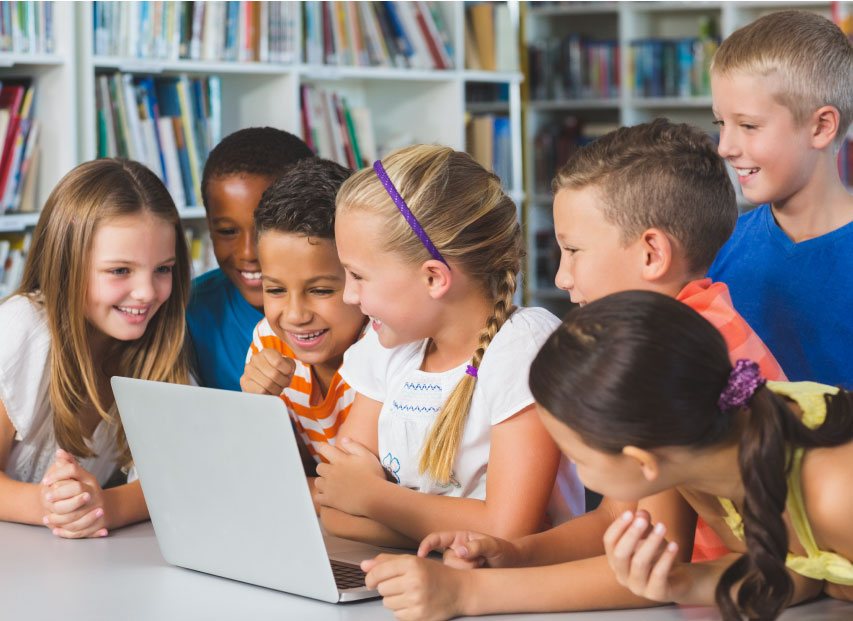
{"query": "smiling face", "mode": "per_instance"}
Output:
(231, 203)
(303, 297)
(771, 153)
(130, 274)
(593, 260)
(379, 282)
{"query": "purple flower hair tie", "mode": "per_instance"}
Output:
(744, 380)
(472, 371)
(407, 214)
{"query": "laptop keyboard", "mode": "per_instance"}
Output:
(347, 576)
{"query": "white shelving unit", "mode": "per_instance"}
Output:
(623, 22)
(407, 106)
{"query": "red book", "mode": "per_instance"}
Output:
(437, 60)
(11, 96)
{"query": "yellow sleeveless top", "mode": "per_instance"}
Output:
(818, 564)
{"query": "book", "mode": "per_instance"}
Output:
(11, 99)
(483, 29)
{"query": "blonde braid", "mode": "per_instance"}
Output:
(440, 447)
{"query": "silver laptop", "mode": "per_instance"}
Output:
(226, 490)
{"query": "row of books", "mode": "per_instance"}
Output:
(555, 143)
(671, 67)
(574, 67)
(382, 34)
(335, 130)
(212, 31)
(169, 124)
(488, 140)
(13, 254)
(490, 44)
(19, 142)
(26, 27)
(200, 246)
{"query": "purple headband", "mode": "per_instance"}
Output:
(744, 380)
(407, 214)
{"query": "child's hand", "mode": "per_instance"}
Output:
(267, 373)
(468, 550)
(343, 482)
(643, 561)
(416, 588)
(72, 500)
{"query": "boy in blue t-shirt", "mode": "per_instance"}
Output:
(227, 303)
(782, 89)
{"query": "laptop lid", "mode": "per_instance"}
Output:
(225, 486)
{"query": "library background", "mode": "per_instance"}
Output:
(519, 85)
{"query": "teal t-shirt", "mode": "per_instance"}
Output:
(220, 323)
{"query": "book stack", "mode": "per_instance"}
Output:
(377, 34)
(555, 143)
(26, 27)
(673, 67)
(490, 43)
(13, 254)
(169, 124)
(211, 31)
(19, 143)
(489, 142)
(335, 130)
(574, 67)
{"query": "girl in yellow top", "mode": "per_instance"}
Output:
(638, 390)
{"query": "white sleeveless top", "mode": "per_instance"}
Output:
(24, 378)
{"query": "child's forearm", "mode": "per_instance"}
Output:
(20, 502)
(588, 584)
(348, 526)
(124, 505)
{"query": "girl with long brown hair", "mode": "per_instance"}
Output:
(104, 292)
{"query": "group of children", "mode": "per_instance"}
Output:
(432, 413)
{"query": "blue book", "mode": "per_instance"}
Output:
(148, 96)
(167, 95)
(403, 42)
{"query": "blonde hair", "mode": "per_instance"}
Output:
(474, 226)
(56, 275)
(810, 58)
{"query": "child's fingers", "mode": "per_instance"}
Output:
(659, 586)
(644, 558)
(621, 551)
(436, 541)
(61, 470)
(329, 452)
(63, 490)
(356, 448)
(72, 504)
(83, 526)
(386, 566)
(65, 455)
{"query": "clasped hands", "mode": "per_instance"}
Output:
(345, 481)
(72, 500)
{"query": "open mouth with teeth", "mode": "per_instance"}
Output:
(746, 172)
(307, 339)
(250, 277)
(133, 314)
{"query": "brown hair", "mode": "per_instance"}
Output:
(621, 369)
(809, 57)
(659, 175)
(474, 225)
(56, 273)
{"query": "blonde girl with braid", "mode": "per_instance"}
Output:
(104, 292)
(442, 432)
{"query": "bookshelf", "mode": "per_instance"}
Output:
(408, 102)
(560, 114)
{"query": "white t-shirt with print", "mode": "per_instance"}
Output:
(24, 377)
(411, 400)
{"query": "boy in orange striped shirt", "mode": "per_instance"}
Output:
(298, 347)
(643, 207)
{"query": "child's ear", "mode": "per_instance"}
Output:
(825, 126)
(647, 461)
(657, 254)
(437, 276)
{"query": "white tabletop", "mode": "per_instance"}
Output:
(123, 576)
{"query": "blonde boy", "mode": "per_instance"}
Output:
(783, 97)
(644, 207)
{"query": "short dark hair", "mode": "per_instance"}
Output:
(663, 175)
(264, 151)
(302, 200)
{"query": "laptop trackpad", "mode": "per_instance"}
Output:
(354, 552)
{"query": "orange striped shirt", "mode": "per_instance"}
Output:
(318, 423)
(713, 302)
